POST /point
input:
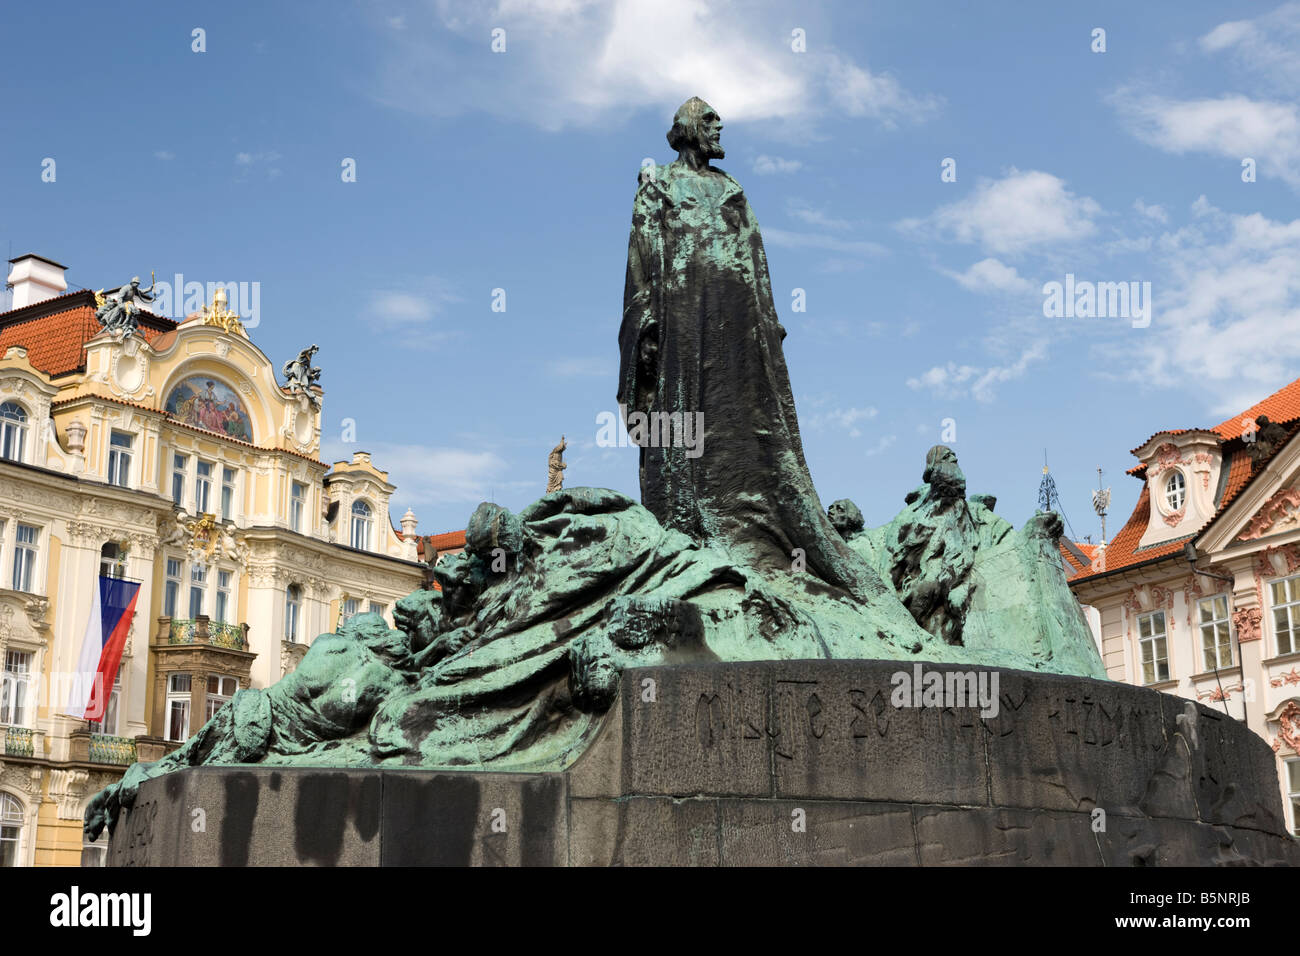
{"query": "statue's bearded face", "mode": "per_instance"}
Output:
(708, 134)
(698, 128)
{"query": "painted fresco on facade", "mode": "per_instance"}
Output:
(212, 405)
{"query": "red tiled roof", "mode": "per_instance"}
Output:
(55, 338)
(1072, 565)
(446, 541)
(1282, 407)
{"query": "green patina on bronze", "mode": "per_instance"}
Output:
(513, 664)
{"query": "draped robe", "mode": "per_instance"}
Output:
(700, 334)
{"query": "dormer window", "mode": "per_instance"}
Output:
(361, 522)
(13, 431)
(1175, 491)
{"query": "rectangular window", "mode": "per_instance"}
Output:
(25, 552)
(297, 505)
(379, 609)
(227, 494)
(1293, 793)
(198, 585)
(223, 596)
(292, 611)
(109, 724)
(220, 690)
(172, 587)
(119, 459)
(1155, 648)
(1286, 614)
(202, 487)
(15, 688)
(178, 706)
(351, 607)
(1216, 632)
(179, 464)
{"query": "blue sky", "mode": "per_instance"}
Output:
(516, 170)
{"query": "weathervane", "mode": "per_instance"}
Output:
(1101, 504)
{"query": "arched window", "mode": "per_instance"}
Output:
(292, 611)
(1175, 491)
(361, 522)
(13, 431)
(112, 560)
(11, 829)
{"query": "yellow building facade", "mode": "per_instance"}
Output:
(174, 457)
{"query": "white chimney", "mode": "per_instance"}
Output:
(35, 279)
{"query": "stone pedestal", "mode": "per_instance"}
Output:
(774, 763)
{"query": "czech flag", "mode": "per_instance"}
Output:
(101, 650)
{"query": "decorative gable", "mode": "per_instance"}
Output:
(1182, 475)
(1279, 513)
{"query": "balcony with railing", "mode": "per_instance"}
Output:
(105, 748)
(202, 630)
(19, 742)
(199, 649)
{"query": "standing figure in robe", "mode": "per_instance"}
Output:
(700, 342)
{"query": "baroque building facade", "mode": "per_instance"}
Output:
(174, 457)
(1199, 593)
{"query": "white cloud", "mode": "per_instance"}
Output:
(808, 240)
(991, 275)
(583, 62)
(814, 217)
(843, 419)
(957, 381)
(1264, 47)
(770, 165)
(1151, 212)
(164, 154)
(1013, 214)
(1231, 126)
(412, 308)
(245, 163)
(884, 443)
(1227, 314)
(432, 474)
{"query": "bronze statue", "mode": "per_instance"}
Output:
(300, 374)
(116, 311)
(701, 340)
(1264, 440)
(555, 467)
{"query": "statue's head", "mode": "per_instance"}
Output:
(942, 473)
(135, 280)
(696, 125)
(846, 518)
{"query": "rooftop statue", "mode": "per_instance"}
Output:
(116, 311)
(300, 375)
(512, 662)
(555, 467)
